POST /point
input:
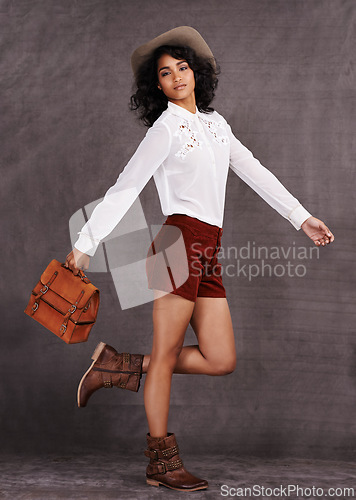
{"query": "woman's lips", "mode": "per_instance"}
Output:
(180, 87)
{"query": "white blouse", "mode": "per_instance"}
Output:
(188, 155)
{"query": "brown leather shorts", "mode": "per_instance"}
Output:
(183, 258)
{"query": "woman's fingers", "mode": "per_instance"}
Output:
(317, 231)
(70, 263)
(325, 237)
(76, 261)
(328, 236)
(66, 262)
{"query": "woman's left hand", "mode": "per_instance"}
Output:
(317, 231)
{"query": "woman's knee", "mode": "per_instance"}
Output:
(225, 366)
(166, 357)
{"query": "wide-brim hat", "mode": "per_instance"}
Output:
(182, 35)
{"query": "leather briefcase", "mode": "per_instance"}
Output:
(65, 304)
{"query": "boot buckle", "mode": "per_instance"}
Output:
(152, 454)
(164, 467)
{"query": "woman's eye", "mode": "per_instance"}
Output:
(164, 74)
(183, 67)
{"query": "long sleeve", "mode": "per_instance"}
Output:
(149, 155)
(266, 184)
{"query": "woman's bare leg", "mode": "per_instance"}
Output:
(171, 316)
(216, 352)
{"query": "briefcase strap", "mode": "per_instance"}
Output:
(69, 313)
(43, 290)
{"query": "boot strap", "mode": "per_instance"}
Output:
(106, 380)
(163, 467)
(126, 361)
(108, 383)
(167, 453)
(124, 378)
(104, 370)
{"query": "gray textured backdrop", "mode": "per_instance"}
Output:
(288, 89)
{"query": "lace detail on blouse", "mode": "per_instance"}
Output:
(184, 128)
(213, 127)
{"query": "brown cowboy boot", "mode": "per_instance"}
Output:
(166, 467)
(109, 369)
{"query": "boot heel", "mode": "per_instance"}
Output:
(98, 350)
(152, 482)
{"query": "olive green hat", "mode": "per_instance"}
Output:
(183, 35)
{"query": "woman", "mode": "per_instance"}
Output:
(188, 150)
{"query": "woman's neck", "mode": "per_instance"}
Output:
(188, 103)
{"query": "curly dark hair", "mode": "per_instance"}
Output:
(151, 102)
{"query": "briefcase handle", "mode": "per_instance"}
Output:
(80, 274)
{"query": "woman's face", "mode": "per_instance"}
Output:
(175, 78)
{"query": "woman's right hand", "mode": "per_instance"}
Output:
(77, 260)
